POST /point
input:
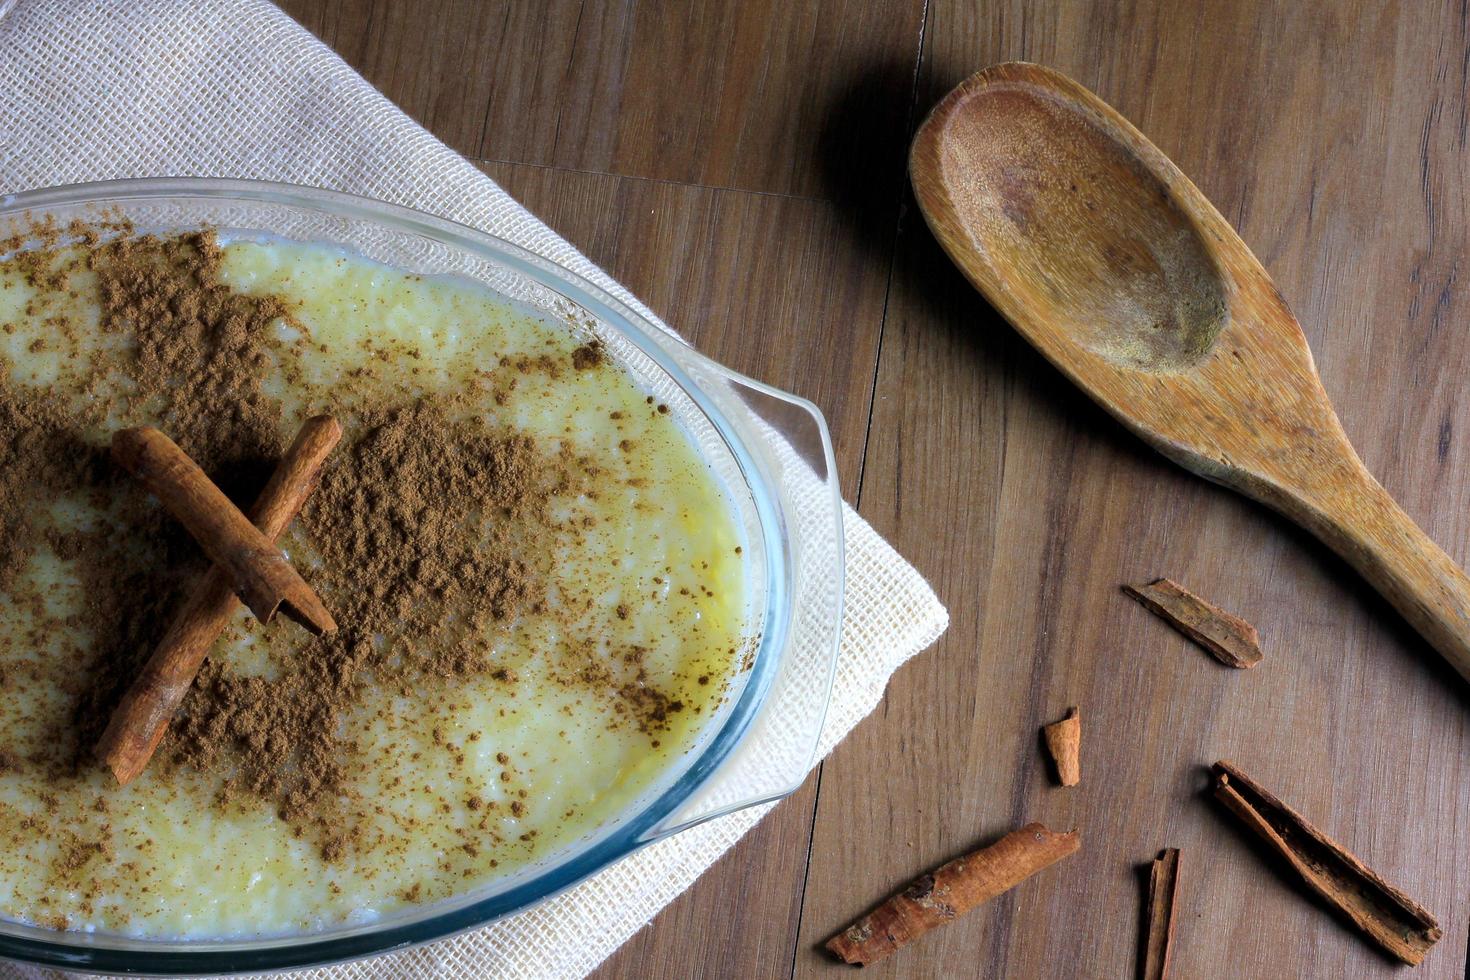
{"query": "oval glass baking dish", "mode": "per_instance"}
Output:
(770, 450)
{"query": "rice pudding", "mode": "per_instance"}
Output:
(539, 583)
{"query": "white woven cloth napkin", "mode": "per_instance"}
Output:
(98, 89)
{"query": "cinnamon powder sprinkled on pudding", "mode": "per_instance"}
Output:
(452, 536)
(405, 523)
(199, 347)
(589, 355)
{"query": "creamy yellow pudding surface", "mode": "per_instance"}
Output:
(519, 716)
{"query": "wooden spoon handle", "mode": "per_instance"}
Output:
(1354, 516)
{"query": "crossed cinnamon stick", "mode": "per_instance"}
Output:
(247, 564)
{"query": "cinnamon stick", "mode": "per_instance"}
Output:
(1230, 639)
(141, 718)
(1163, 885)
(1381, 912)
(255, 568)
(950, 891)
(1064, 743)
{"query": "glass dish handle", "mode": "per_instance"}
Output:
(793, 459)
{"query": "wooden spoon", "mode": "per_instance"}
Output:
(1094, 246)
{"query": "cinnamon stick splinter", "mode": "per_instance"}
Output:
(1163, 885)
(950, 891)
(255, 567)
(1383, 913)
(1064, 742)
(141, 718)
(1230, 639)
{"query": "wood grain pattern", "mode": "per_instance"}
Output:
(1334, 155)
(1331, 135)
(722, 94)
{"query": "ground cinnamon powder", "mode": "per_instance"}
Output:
(408, 519)
(199, 348)
(36, 450)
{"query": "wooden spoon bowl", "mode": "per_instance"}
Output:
(1094, 242)
(1096, 248)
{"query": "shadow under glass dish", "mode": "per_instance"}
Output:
(770, 450)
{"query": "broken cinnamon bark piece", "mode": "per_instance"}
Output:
(1163, 886)
(1380, 911)
(1064, 743)
(1230, 639)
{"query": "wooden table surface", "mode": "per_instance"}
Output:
(740, 165)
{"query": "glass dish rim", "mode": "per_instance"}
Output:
(638, 829)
